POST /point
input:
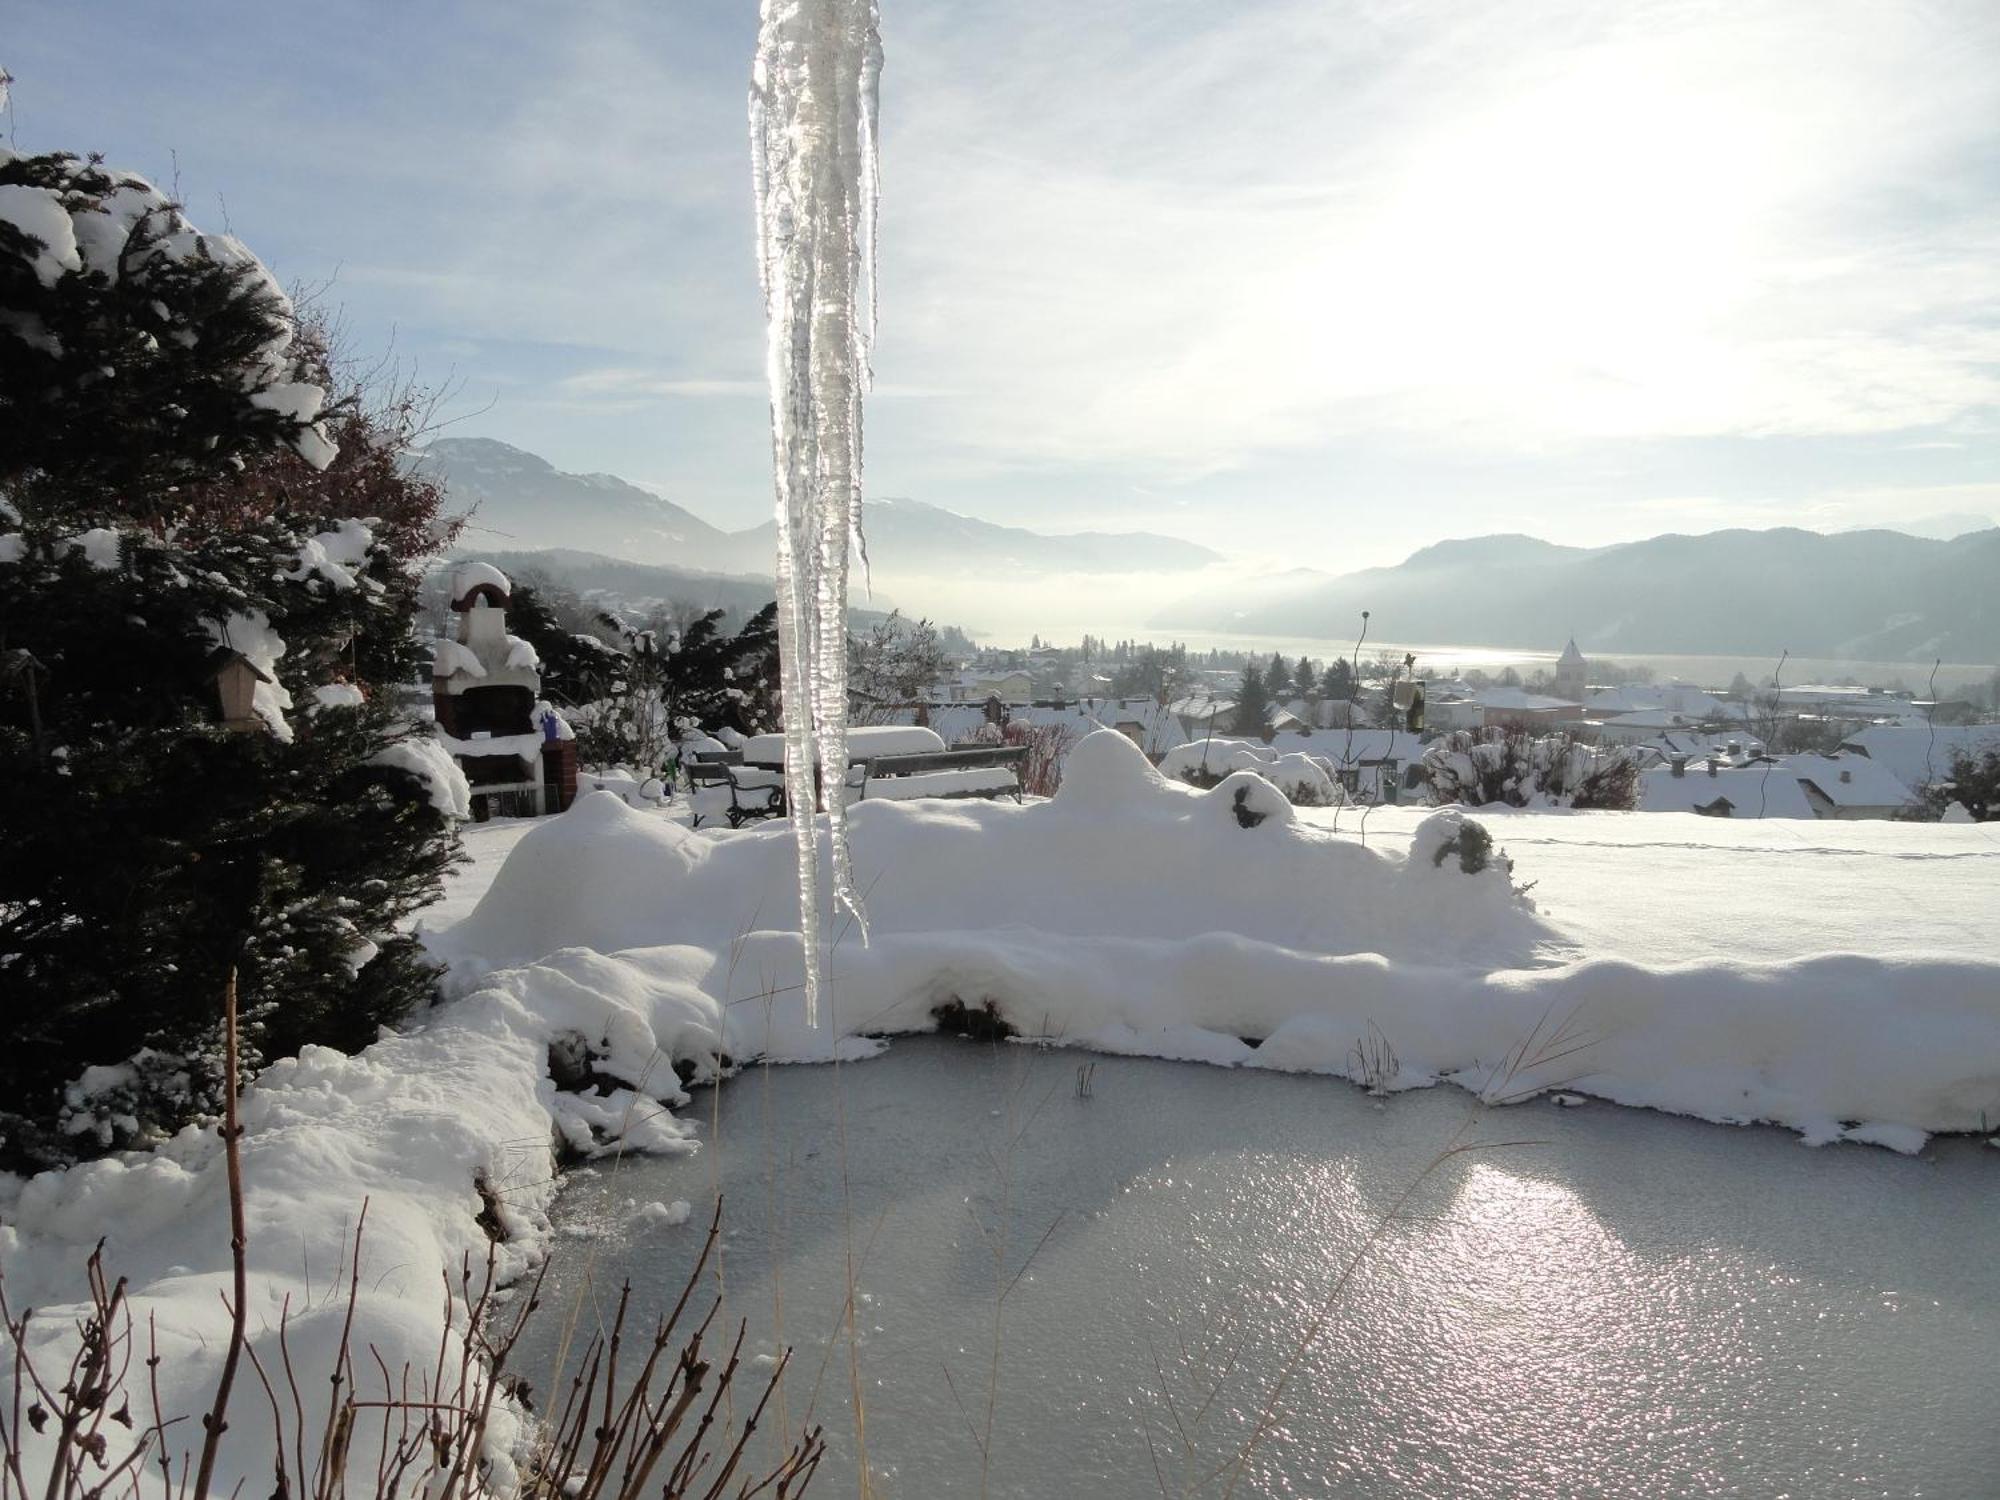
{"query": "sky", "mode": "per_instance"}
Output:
(1308, 281)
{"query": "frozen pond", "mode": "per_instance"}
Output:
(1636, 1305)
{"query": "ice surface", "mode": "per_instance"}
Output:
(813, 145)
(1630, 1306)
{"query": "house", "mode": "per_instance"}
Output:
(1639, 728)
(1378, 763)
(1144, 721)
(1920, 754)
(1843, 787)
(1202, 712)
(1517, 708)
(1849, 786)
(1449, 711)
(1679, 698)
(1853, 705)
(1715, 790)
(1014, 686)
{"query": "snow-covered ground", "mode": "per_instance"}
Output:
(1843, 979)
(1679, 888)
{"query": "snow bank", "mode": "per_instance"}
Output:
(1129, 907)
(413, 1126)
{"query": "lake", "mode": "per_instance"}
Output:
(1112, 1295)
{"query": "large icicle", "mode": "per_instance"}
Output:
(813, 156)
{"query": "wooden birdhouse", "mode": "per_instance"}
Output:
(236, 677)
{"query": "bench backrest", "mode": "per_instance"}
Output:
(945, 760)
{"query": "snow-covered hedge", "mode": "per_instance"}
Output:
(1306, 780)
(1483, 768)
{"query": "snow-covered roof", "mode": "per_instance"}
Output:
(1725, 747)
(1768, 789)
(1571, 657)
(1201, 706)
(1158, 731)
(1850, 780)
(1919, 754)
(1519, 700)
(1628, 699)
(1356, 747)
(1646, 718)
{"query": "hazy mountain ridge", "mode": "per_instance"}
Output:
(617, 583)
(522, 502)
(1869, 595)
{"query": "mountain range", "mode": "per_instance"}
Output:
(520, 502)
(1866, 595)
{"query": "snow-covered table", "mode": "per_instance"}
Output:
(864, 742)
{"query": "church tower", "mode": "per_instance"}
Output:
(1572, 673)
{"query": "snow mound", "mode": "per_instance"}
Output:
(1105, 772)
(1302, 778)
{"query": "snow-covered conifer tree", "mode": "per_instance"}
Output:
(206, 606)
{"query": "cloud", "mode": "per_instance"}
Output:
(1365, 271)
(1173, 239)
(639, 385)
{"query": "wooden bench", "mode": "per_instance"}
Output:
(940, 764)
(757, 790)
(753, 793)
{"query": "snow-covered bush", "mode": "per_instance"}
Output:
(625, 699)
(1972, 786)
(1048, 747)
(1306, 780)
(1484, 767)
